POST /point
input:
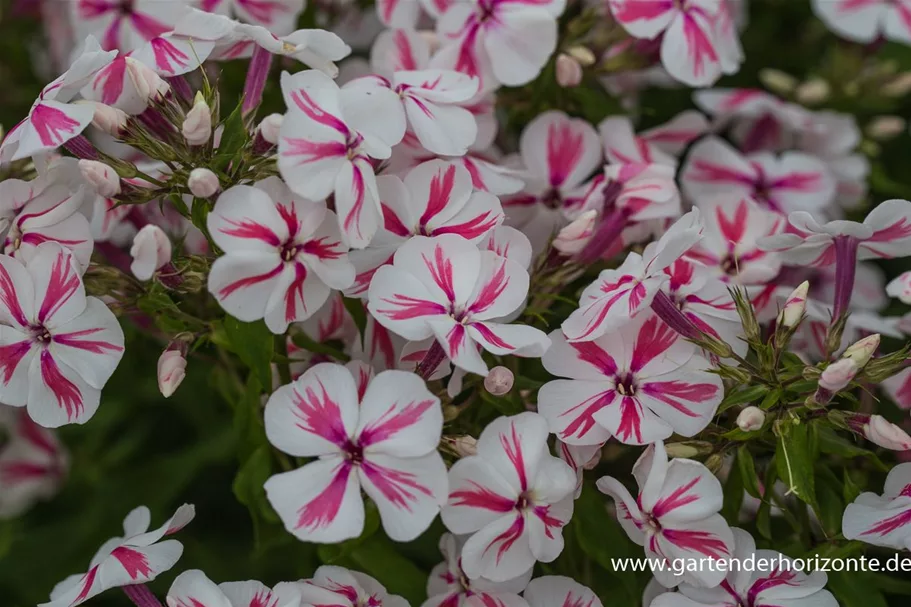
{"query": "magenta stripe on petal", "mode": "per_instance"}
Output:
(53, 126)
(9, 299)
(679, 498)
(630, 420)
(399, 487)
(774, 580)
(63, 283)
(491, 291)
(393, 224)
(441, 271)
(165, 53)
(593, 354)
(513, 448)
(583, 421)
(654, 338)
(508, 537)
(74, 340)
(440, 194)
(320, 415)
(393, 421)
(481, 497)
(410, 307)
(303, 101)
(248, 228)
(322, 510)
(135, 562)
(250, 281)
(491, 337)
(66, 392)
(890, 524)
(701, 542)
(668, 391)
(564, 151)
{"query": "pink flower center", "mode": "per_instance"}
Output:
(626, 384)
(354, 453)
(289, 251)
(41, 334)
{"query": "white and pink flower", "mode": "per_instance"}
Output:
(193, 589)
(278, 16)
(513, 497)
(57, 347)
(283, 254)
(125, 26)
(136, 558)
(883, 520)
(867, 20)
(675, 516)
(345, 588)
(551, 590)
(380, 438)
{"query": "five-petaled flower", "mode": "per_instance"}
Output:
(57, 347)
(552, 590)
(883, 520)
(380, 436)
(513, 497)
(675, 516)
(282, 254)
(125, 24)
(446, 287)
(136, 558)
(345, 588)
(193, 589)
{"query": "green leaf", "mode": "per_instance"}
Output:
(830, 442)
(892, 585)
(855, 589)
(830, 508)
(733, 494)
(233, 138)
(248, 484)
(741, 397)
(850, 490)
(795, 456)
(764, 515)
(748, 473)
(355, 308)
(302, 340)
(252, 342)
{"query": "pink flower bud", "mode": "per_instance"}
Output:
(148, 84)
(887, 435)
(569, 71)
(465, 446)
(795, 306)
(576, 235)
(838, 375)
(109, 119)
(751, 419)
(151, 250)
(197, 126)
(862, 351)
(101, 177)
(171, 371)
(270, 126)
(499, 381)
(202, 182)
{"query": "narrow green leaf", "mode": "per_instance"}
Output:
(748, 472)
(355, 308)
(252, 342)
(795, 457)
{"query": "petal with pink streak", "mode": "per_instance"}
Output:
(408, 491)
(402, 304)
(137, 565)
(553, 590)
(57, 395)
(500, 339)
(709, 538)
(458, 345)
(17, 293)
(246, 218)
(399, 416)
(631, 423)
(257, 594)
(520, 45)
(73, 233)
(303, 297)
(357, 202)
(688, 51)
(879, 521)
(320, 502)
(447, 265)
(314, 415)
(501, 288)
(442, 129)
(92, 344)
(891, 224)
(621, 297)
(51, 124)
(193, 589)
(643, 19)
(588, 360)
(628, 513)
(514, 446)
(858, 21)
(500, 551)
(897, 21)
(713, 168)
(545, 526)
(398, 49)
(438, 190)
(689, 493)
(478, 496)
(244, 283)
(559, 150)
(16, 353)
(686, 400)
(324, 253)
(398, 13)
(569, 407)
(375, 111)
(59, 292)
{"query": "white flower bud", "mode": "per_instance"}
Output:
(202, 182)
(270, 126)
(838, 375)
(499, 381)
(778, 81)
(583, 55)
(883, 128)
(101, 177)
(576, 235)
(171, 371)
(151, 250)
(887, 435)
(197, 126)
(148, 84)
(898, 86)
(795, 306)
(751, 419)
(862, 351)
(569, 71)
(815, 90)
(465, 446)
(108, 119)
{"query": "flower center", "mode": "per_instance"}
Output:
(651, 523)
(552, 199)
(41, 334)
(354, 453)
(523, 502)
(626, 385)
(289, 251)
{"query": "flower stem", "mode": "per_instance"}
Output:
(80, 147)
(845, 267)
(606, 234)
(432, 359)
(256, 79)
(675, 319)
(141, 595)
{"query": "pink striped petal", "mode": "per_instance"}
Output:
(501, 339)
(399, 416)
(59, 292)
(246, 218)
(500, 550)
(478, 496)
(91, 344)
(559, 591)
(709, 538)
(357, 202)
(57, 394)
(891, 224)
(193, 589)
(402, 304)
(51, 124)
(245, 284)
(398, 13)
(399, 49)
(514, 446)
(643, 19)
(570, 407)
(559, 150)
(688, 50)
(17, 350)
(502, 286)
(447, 265)
(17, 293)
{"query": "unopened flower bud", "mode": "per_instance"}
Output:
(465, 446)
(499, 381)
(101, 177)
(688, 449)
(151, 250)
(862, 351)
(838, 375)
(880, 431)
(202, 183)
(751, 419)
(149, 85)
(795, 306)
(569, 71)
(270, 126)
(171, 370)
(583, 55)
(898, 86)
(815, 90)
(197, 126)
(883, 128)
(108, 119)
(576, 235)
(778, 81)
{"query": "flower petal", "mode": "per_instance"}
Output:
(57, 395)
(569, 407)
(399, 416)
(59, 293)
(91, 344)
(514, 446)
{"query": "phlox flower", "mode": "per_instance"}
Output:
(550, 590)
(398, 13)
(513, 497)
(278, 16)
(125, 25)
(136, 558)
(283, 254)
(833, 137)
(52, 120)
(688, 45)
(57, 347)
(579, 458)
(33, 462)
(448, 586)
(618, 295)
(867, 20)
(790, 182)
(675, 516)
(436, 197)
(883, 520)
(639, 384)
(193, 589)
(41, 210)
(499, 41)
(381, 438)
(446, 288)
(658, 145)
(345, 588)
(768, 586)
